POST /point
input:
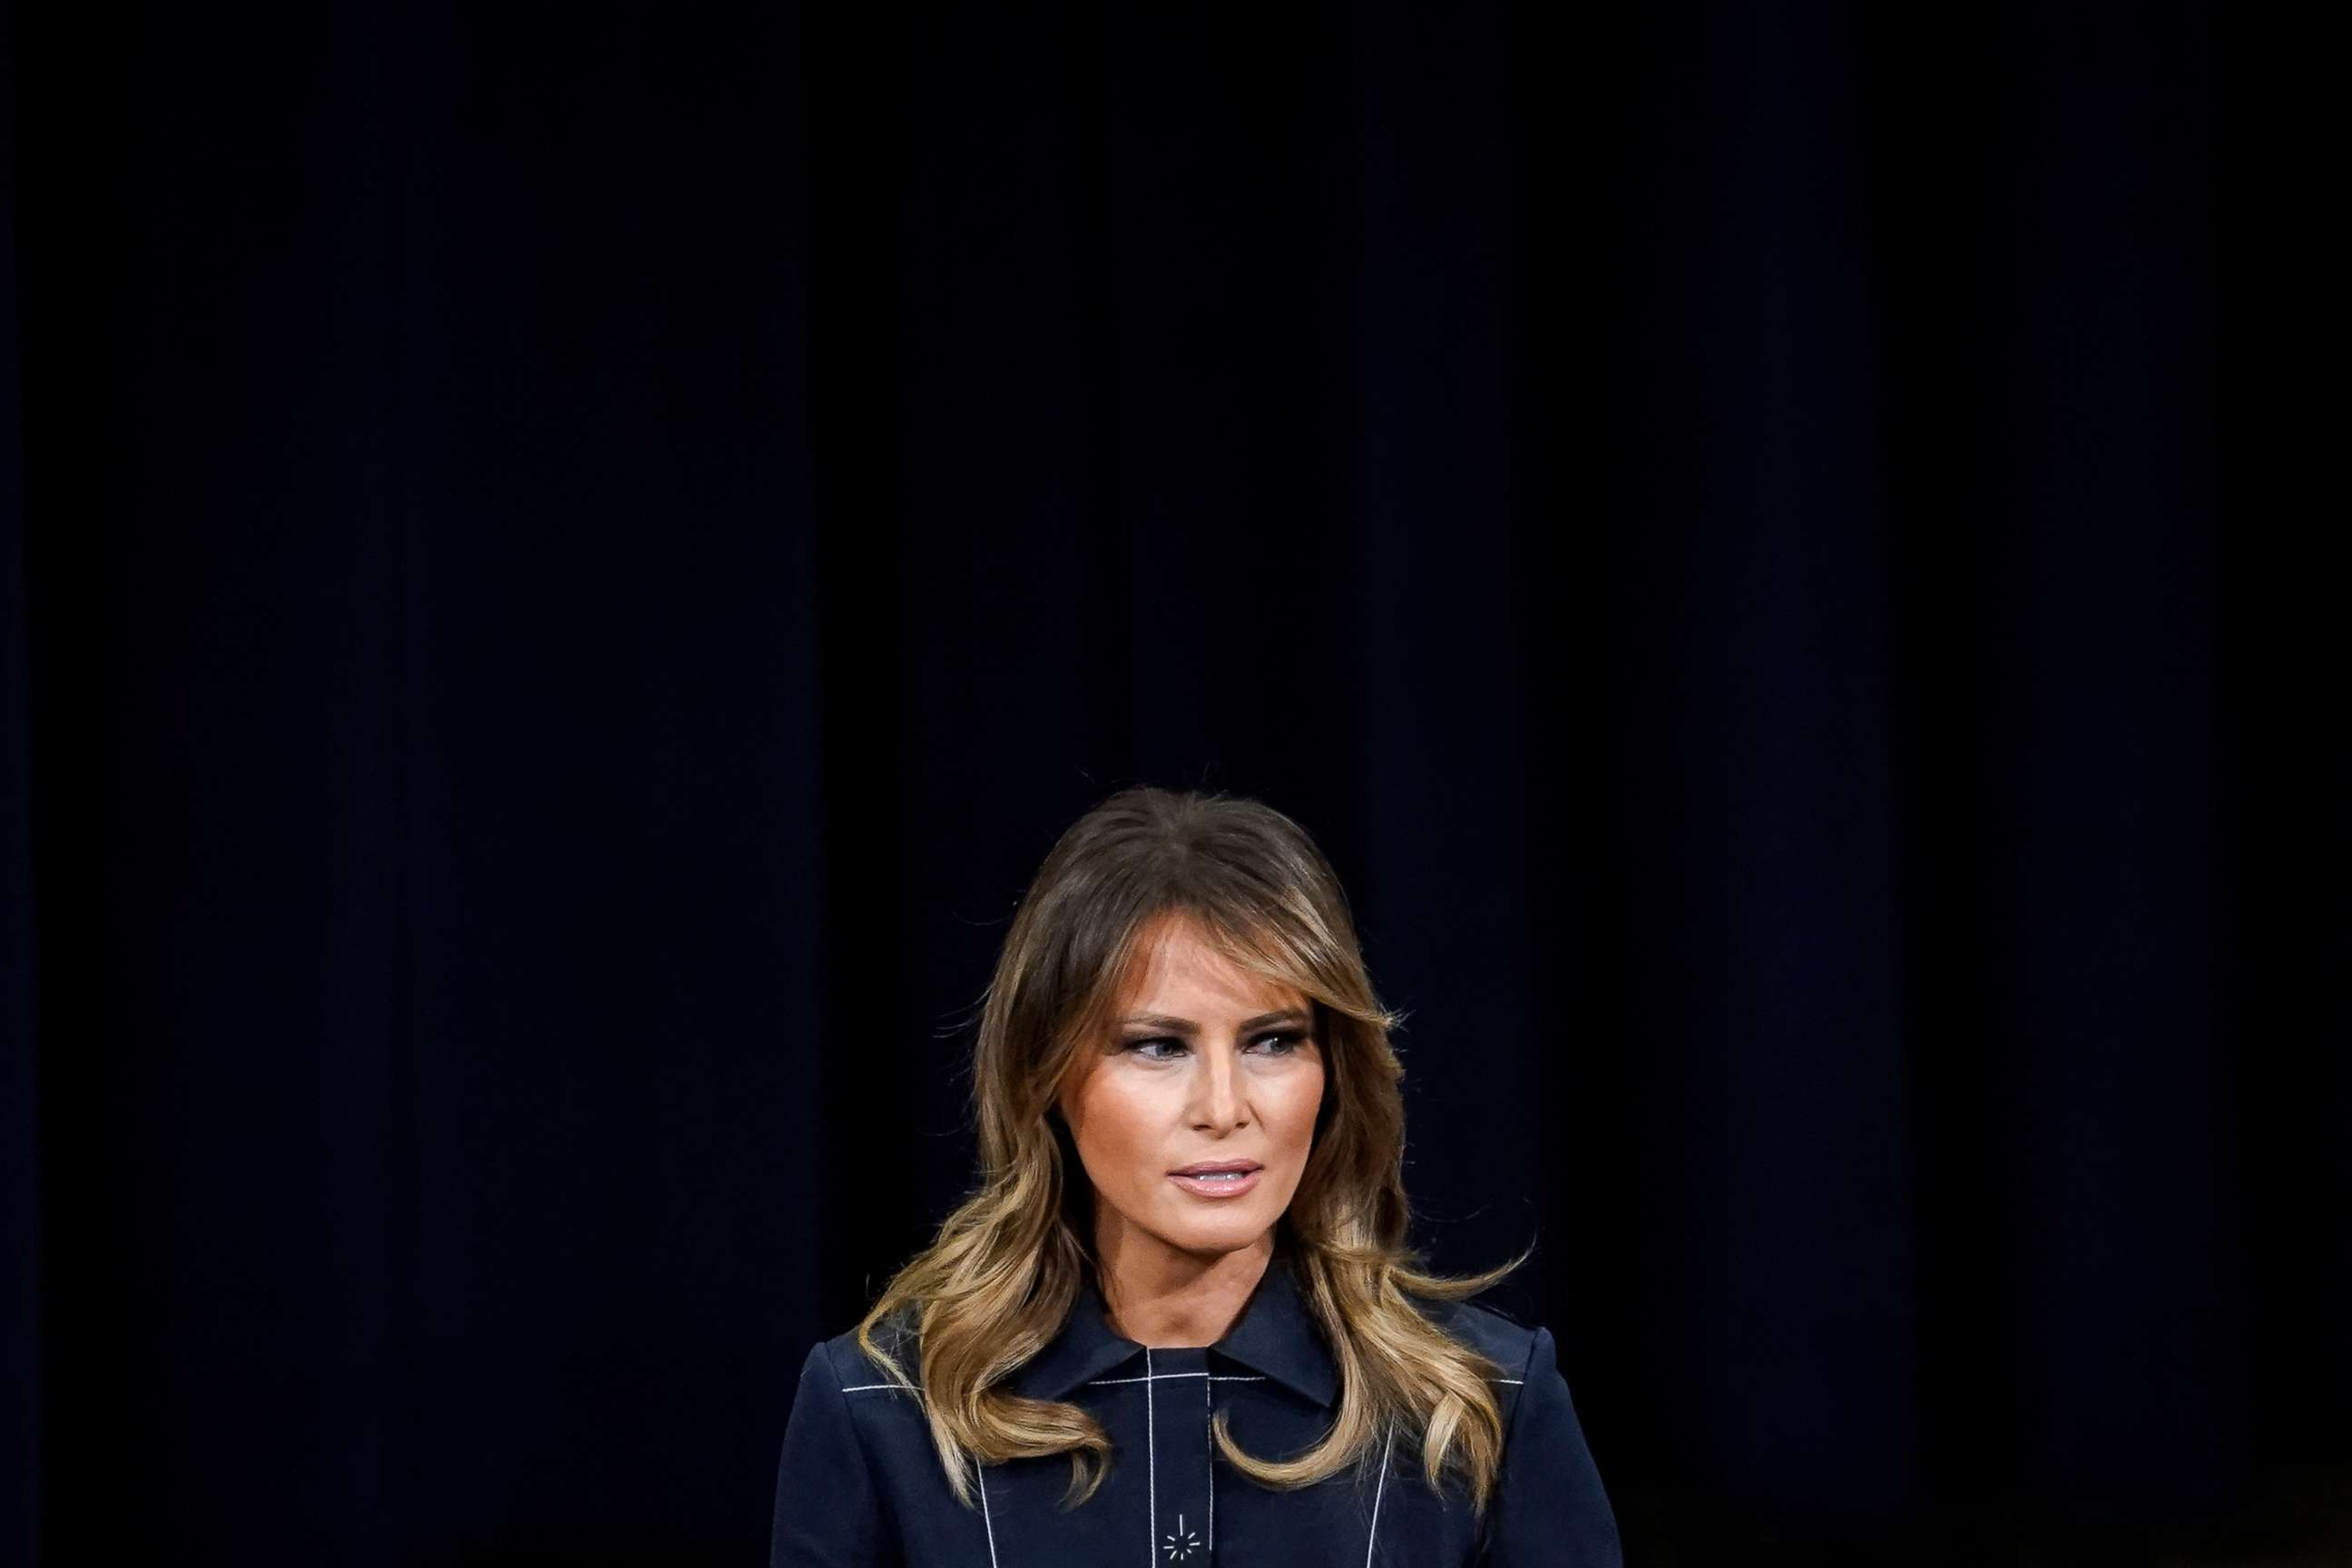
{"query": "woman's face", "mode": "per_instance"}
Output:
(1205, 1064)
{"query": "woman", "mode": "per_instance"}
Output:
(1179, 1315)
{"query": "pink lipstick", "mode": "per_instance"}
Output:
(1217, 1178)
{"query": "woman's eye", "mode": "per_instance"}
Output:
(1284, 1044)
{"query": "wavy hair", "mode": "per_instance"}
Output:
(997, 1283)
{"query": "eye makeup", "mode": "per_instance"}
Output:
(1290, 1039)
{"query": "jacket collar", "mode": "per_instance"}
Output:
(1275, 1335)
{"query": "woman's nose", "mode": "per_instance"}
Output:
(1221, 1100)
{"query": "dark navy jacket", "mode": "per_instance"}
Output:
(860, 1484)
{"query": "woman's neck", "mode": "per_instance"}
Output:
(1164, 1298)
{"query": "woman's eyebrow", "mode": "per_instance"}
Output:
(1187, 1026)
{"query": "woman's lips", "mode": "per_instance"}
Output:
(1218, 1186)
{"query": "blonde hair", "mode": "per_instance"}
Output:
(997, 1283)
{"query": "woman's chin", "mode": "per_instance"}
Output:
(1215, 1236)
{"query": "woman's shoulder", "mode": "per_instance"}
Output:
(856, 1371)
(1488, 1329)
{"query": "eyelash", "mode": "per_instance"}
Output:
(1293, 1036)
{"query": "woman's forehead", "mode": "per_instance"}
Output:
(1175, 955)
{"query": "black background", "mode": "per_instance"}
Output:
(565, 564)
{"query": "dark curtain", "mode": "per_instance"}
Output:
(564, 564)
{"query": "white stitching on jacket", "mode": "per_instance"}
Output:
(1208, 1403)
(986, 1522)
(1151, 1451)
(1104, 1382)
(1372, 1540)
